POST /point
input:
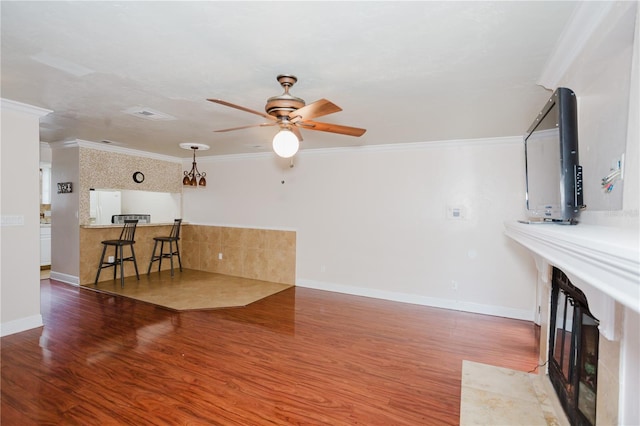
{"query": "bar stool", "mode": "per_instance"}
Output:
(174, 237)
(126, 239)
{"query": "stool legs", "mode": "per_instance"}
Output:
(162, 254)
(177, 252)
(154, 257)
(115, 261)
(171, 256)
(104, 249)
(119, 259)
(135, 264)
(121, 267)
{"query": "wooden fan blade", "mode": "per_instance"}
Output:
(241, 108)
(313, 110)
(333, 128)
(246, 127)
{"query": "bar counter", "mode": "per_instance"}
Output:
(91, 249)
(261, 254)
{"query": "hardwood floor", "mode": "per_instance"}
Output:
(300, 356)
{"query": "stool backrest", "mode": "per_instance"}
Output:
(175, 230)
(129, 230)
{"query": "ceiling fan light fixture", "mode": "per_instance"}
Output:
(290, 112)
(285, 143)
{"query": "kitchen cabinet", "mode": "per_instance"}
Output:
(45, 245)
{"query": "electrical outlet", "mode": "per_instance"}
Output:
(110, 259)
(219, 256)
(454, 285)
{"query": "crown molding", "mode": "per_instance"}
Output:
(111, 148)
(25, 108)
(414, 146)
(582, 24)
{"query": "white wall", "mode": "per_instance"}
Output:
(20, 206)
(373, 221)
(45, 153)
(630, 360)
(65, 231)
(597, 57)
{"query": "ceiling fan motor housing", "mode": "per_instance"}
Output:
(282, 105)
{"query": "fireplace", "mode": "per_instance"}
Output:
(573, 350)
(604, 264)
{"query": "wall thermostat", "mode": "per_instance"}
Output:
(455, 212)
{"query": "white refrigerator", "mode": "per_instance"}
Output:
(103, 205)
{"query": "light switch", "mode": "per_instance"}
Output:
(12, 220)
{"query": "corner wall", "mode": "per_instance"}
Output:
(86, 165)
(20, 205)
(259, 254)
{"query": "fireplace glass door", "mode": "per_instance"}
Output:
(573, 351)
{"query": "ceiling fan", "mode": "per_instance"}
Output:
(291, 114)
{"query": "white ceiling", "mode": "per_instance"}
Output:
(405, 71)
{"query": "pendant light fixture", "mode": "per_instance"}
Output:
(194, 177)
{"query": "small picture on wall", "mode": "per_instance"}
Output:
(64, 188)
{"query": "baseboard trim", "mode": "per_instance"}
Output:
(69, 279)
(434, 302)
(19, 325)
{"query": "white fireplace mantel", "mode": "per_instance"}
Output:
(605, 258)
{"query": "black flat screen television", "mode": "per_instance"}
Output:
(553, 174)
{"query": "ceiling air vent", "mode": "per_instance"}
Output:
(149, 114)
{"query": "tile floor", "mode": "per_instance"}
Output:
(499, 396)
(191, 289)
